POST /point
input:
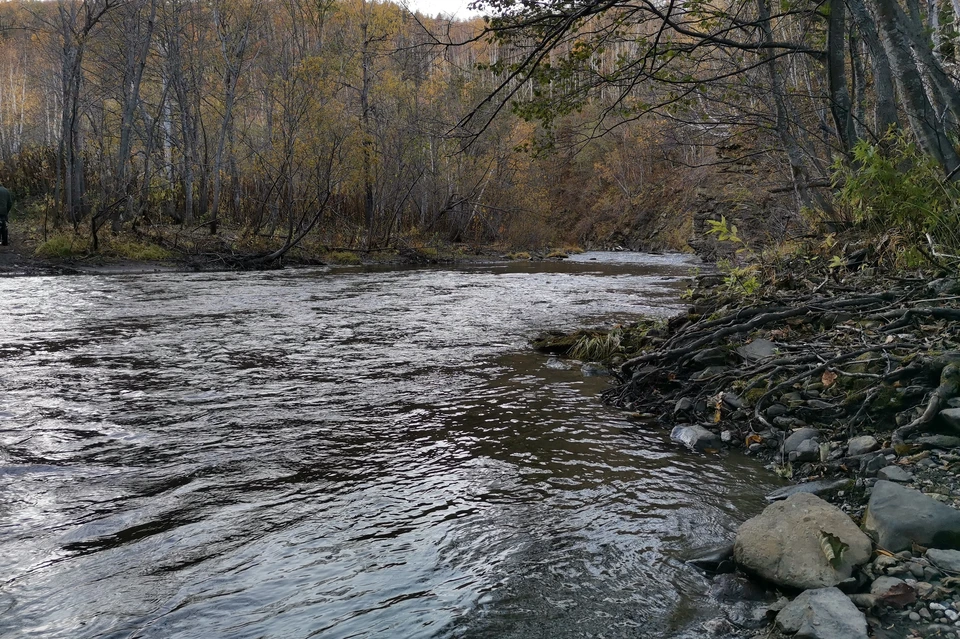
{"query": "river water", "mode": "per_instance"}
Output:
(343, 453)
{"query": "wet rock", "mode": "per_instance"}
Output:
(825, 613)
(798, 437)
(807, 451)
(787, 422)
(945, 286)
(897, 517)
(694, 437)
(892, 591)
(950, 417)
(819, 404)
(782, 544)
(776, 410)
(592, 369)
(684, 404)
(948, 560)
(557, 364)
(894, 473)
(862, 445)
(757, 349)
(813, 487)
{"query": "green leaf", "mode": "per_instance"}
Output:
(833, 548)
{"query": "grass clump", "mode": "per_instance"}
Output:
(520, 256)
(597, 347)
(558, 254)
(345, 258)
(138, 251)
(61, 246)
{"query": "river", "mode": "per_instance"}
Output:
(344, 452)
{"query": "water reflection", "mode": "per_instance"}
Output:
(341, 453)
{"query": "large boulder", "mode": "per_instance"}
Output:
(948, 560)
(783, 543)
(825, 613)
(897, 517)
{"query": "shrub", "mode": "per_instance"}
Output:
(893, 185)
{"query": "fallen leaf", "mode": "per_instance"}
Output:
(828, 378)
(754, 439)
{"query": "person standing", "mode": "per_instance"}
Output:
(6, 203)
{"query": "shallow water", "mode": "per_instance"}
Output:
(343, 453)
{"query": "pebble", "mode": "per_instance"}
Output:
(952, 614)
(914, 616)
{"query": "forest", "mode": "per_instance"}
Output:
(314, 124)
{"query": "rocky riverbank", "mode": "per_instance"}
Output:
(848, 386)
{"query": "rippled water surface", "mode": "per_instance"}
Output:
(342, 453)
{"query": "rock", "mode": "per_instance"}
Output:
(948, 560)
(819, 404)
(592, 369)
(870, 464)
(826, 613)
(862, 445)
(694, 437)
(731, 400)
(726, 436)
(813, 487)
(807, 451)
(798, 437)
(782, 544)
(938, 441)
(776, 410)
(718, 627)
(557, 364)
(897, 517)
(863, 600)
(951, 418)
(894, 473)
(893, 592)
(684, 404)
(757, 349)
(711, 356)
(945, 286)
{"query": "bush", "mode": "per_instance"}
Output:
(893, 185)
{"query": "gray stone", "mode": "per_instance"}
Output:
(894, 473)
(819, 404)
(557, 364)
(945, 286)
(694, 437)
(757, 349)
(897, 517)
(893, 591)
(916, 570)
(870, 464)
(807, 451)
(776, 410)
(825, 613)
(782, 544)
(684, 404)
(938, 441)
(796, 438)
(731, 400)
(593, 369)
(711, 356)
(948, 560)
(951, 418)
(862, 445)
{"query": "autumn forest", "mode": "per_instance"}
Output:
(356, 123)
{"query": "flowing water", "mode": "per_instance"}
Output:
(343, 453)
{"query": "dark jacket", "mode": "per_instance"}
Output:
(6, 203)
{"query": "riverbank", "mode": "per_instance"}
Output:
(846, 384)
